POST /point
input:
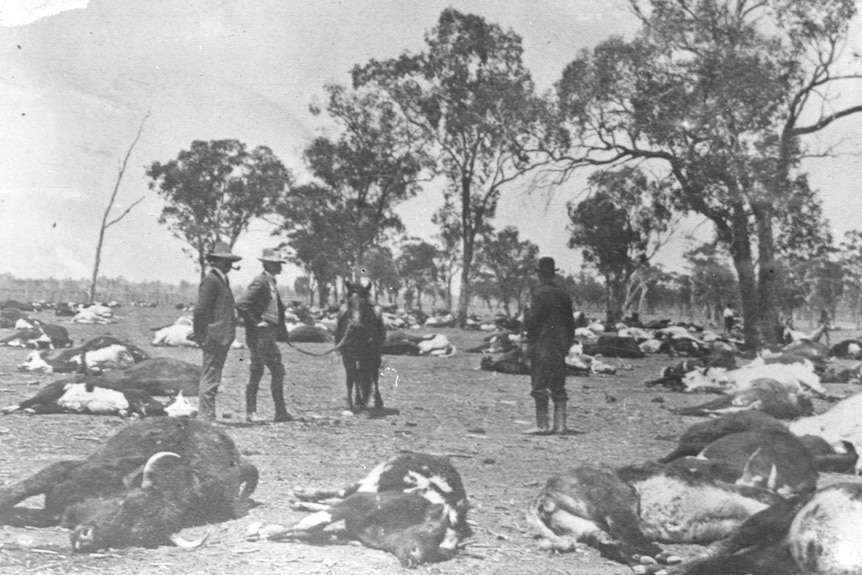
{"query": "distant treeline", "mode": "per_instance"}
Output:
(108, 289)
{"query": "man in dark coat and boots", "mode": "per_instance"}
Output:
(263, 312)
(550, 332)
(214, 325)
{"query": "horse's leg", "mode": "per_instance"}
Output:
(375, 377)
(348, 379)
(363, 383)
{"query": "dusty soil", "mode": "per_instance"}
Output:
(445, 406)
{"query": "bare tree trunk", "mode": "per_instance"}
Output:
(744, 264)
(105, 223)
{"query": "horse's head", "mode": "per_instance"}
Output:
(359, 305)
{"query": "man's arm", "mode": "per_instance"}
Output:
(202, 315)
(247, 305)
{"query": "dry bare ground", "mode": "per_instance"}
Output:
(445, 406)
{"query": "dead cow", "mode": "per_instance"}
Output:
(156, 377)
(97, 354)
(772, 459)
(698, 435)
(40, 336)
(413, 505)
(67, 397)
(816, 534)
(623, 512)
(145, 484)
(764, 394)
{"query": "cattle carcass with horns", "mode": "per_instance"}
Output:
(142, 487)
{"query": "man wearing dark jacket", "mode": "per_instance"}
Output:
(214, 322)
(263, 312)
(550, 332)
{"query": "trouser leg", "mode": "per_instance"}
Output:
(211, 371)
(255, 370)
(541, 397)
(271, 357)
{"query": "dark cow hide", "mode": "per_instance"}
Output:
(144, 485)
(612, 345)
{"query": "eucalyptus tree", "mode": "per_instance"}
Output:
(215, 189)
(620, 227)
(312, 219)
(720, 94)
(509, 262)
(372, 165)
(417, 267)
(473, 102)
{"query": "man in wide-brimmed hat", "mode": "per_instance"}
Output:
(550, 332)
(214, 325)
(263, 312)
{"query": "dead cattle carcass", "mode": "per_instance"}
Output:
(624, 512)
(144, 485)
(120, 392)
(815, 534)
(412, 505)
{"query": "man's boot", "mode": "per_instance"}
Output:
(560, 417)
(541, 418)
(281, 413)
(251, 395)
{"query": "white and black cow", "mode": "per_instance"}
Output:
(135, 386)
(145, 484)
(98, 354)
(84, 398)
(412, 505)
(40, 336)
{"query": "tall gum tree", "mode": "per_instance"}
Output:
(214, 190)
(719, 93)
(620, 227)
(473, 103)
(373, 164)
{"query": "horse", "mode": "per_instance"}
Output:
(360, 334)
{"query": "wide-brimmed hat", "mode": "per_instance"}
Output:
(547, 266)
(222, 251)
(271, 255)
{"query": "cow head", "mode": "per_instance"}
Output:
(181, 407)
(35, 362)
(147, 515)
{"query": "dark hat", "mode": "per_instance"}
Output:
(547, 266)
(222, 251)
(271, 255)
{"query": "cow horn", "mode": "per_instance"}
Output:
(149, 468)
(748, 478)
(184, 543)
(772, 482)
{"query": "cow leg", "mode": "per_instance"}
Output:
(37, 484)
(310, 525)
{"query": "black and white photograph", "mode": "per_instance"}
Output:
(466, 286)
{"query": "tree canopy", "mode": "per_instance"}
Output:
(620, 228)
(471, 100)
(718, 93)
(214, 190)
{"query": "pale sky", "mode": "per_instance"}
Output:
(75, 85)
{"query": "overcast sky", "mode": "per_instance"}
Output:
(75, 86)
